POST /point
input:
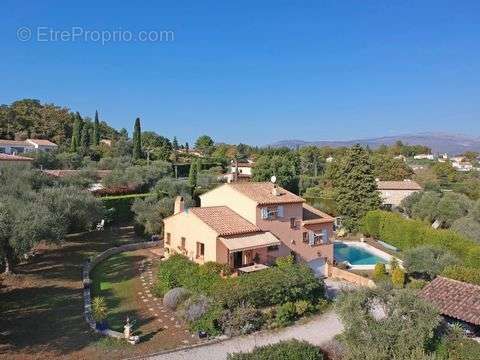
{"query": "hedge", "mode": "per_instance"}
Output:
(462, 273)
(121, 206)
(284, 350)
(406, 234)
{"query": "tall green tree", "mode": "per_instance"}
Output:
(96, 130)
(187, 147)
(76, 133)
(85, 139)
(192, 175)
(285, 166)
(175, 143)
(204, 144)
(137, 140)
(355, 188)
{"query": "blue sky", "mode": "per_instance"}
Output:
(255, 71)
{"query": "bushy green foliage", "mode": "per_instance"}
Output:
(120, 207)
(386, 325)
(284, 350)
(286, 314)
(241, 320)
(406, 234)
(209, 321)
(462, 273)
(303, 307)
(379, 272)
(455, 346)
(427, 260)
(398, 277)
(285, 166)
(416, 284)
(99, 308)
(467, 226)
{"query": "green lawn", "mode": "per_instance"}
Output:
(115, 280)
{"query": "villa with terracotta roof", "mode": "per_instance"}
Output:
(250, 223)
(15, 147)
(7, 159)
(393, 192)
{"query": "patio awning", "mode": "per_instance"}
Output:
(250, 241)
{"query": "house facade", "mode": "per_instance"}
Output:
(239, 171)
(247, 223)
(14, 147)
(393, 192)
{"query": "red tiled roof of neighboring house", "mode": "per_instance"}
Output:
(246, 164)
(454, 298)
(398, 185)
(13, 142)
(42, 142)
(262, 193)
(7, 157)
(312, 215)
(224, 220)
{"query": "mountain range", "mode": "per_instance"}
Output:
(452, 144)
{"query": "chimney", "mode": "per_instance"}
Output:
(179, 205)
(275, 190)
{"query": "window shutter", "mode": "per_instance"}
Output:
(280, 211)
(311, 238)
(264, 213)
(325, 236)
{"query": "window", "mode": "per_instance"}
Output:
(272, 248)
(293, 223)
(183, 243)
(317, 239)
(305, 237)
(167, 241)
(272, 212)
(200, 250)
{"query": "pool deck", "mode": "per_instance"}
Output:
(377, 252)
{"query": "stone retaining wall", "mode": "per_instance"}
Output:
(337, 273)
(87, 268)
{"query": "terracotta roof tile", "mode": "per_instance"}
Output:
(454, 298)
(262, 193)
(7, 157)
(14, 142)
(224, 220)
(398, 185)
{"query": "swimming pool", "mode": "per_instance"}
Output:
(355, 255)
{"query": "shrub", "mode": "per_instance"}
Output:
(208, 322)
(380, 272)
(173, 298)
(242, 320)
(284, 262)
(99, 309)
(121, 206)
(213, 267)
(462, 273)
(303, 307)
(406, 234)
(398, 278)
(286, 314)
(394, 264)
(284, 350)
(195, 307)
(427, 261)
(416, 284)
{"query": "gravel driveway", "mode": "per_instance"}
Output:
(318, 331)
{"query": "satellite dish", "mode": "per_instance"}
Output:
(273, 179)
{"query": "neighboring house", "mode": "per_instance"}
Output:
(400, 157)
(247, 223)
(19, 147)
(462, 165)
(424, 157)
(393, 192)
(97, 175)
(456, 300)
(239, 171)
(6, 159)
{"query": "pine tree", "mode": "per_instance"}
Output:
(77, 128)
(137, 140)
(187, 148)
(355, 188)
(192, 175)
(96, 130)
(175, 143)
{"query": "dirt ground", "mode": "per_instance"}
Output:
(41, 305)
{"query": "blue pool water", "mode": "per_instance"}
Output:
(355, 255)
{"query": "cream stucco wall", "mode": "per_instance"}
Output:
(187, 225)
(395, 197)
(225, 195)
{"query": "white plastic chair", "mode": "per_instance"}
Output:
(101, 225)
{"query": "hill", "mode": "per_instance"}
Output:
(438, 142)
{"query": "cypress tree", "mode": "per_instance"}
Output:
(175, 143)
(355, 188)
(77, 128)
(137, 140)
(85, 139)
(96, 130)
(187, 148)
(192, 175)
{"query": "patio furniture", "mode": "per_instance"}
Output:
(101, 225)
(252, 268)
